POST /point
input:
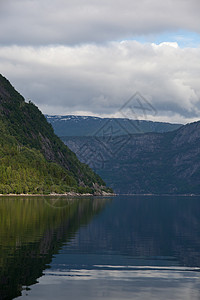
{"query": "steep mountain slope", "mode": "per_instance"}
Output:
(93, 126)
(156, 163)
(32, 157)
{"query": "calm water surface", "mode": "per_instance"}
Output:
(125, 247)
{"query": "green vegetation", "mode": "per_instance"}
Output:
(32, 158)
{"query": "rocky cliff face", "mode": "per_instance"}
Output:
(157, 163)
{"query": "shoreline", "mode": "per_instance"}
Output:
(103, 194)
(69, 194)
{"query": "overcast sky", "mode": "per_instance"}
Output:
(88, 57)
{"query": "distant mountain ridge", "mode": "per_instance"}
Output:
(149, 163)
(71, 125)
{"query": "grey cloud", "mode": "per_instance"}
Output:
(35, 22)
(99, 79)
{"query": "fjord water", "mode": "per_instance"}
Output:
(125, 247)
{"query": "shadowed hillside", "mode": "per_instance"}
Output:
(155, 163)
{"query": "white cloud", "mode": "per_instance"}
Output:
(170, 44)
(99, 79)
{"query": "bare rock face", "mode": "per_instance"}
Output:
(188, 134)
(150, 163)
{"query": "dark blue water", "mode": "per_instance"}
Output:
(126, 247)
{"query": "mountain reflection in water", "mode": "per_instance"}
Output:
(32, 230)
(130, 247)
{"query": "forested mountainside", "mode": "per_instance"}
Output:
(32, 158)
